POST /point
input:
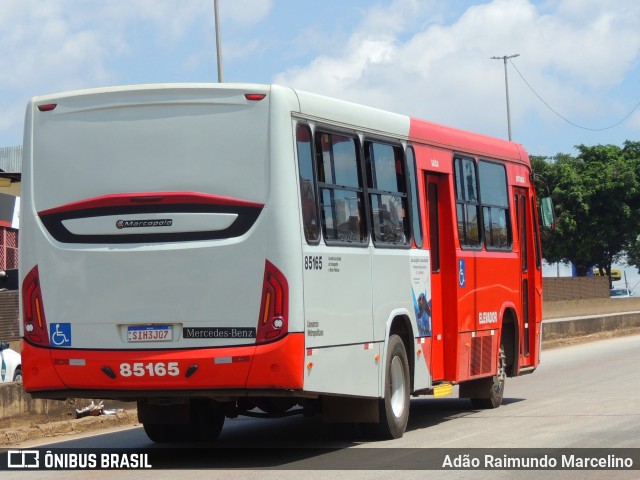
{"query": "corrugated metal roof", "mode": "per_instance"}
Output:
(11, 159)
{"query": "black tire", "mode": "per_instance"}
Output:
(166, 433)
(17, 375)
(494, 385)
(394, 406)
(207, 420)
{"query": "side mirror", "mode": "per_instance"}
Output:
(547, 217)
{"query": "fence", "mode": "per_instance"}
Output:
(575, 288)
(8, 248)
(9, 316)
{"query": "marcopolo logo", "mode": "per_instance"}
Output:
(159, 222)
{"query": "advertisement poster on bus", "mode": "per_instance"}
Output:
(421, 291)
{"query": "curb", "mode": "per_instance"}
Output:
(15, 435)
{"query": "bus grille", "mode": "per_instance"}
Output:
(481, 348)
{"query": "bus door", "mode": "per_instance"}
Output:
(527, 267)
(435, 186)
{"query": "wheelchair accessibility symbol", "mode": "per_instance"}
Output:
(60, 334)
(462, 281)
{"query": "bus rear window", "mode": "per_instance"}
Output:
(307, 184)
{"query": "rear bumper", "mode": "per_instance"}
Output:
(56, 373)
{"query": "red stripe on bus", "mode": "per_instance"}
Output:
(155, 198)
(275, 365)
(466, 142)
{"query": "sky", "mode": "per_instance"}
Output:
(429, 59)
(424, 58)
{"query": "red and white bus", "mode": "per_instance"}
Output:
(215, 250)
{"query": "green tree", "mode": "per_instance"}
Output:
(631, 151)
(596, 197)
(633, 254)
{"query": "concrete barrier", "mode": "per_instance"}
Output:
(570, 327)
(17, 406)
(14, 402)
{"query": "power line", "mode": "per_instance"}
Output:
(565, 118)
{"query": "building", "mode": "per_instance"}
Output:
(10, 176)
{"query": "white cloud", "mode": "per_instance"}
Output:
(57, 45)
(443, 72)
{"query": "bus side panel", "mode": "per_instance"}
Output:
(389, 267)
(344, 370)
(393, 298)
(338, 325)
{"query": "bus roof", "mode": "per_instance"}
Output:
(346, 114)
(373, 120)
(466, 142)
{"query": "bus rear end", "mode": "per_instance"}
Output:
(145, 273)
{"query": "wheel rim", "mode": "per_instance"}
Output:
(396, 373)
(502, 372)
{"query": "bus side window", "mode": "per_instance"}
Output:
(341, 190)
(307, 184)
(467, 202)
(495, 205)
(387, 194)
(413, 192)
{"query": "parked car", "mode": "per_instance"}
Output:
(10, 364)
(621, 293)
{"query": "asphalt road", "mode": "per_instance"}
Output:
(582, 396)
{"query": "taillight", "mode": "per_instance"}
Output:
(48, 107)
(33, 319)
(255, 97)
(274, 309)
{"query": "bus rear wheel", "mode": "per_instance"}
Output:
(394, 406)
(204, 423)
(493, 385)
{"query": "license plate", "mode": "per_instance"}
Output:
(150, 333)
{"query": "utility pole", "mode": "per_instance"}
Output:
(506, 83)
(218, 44)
